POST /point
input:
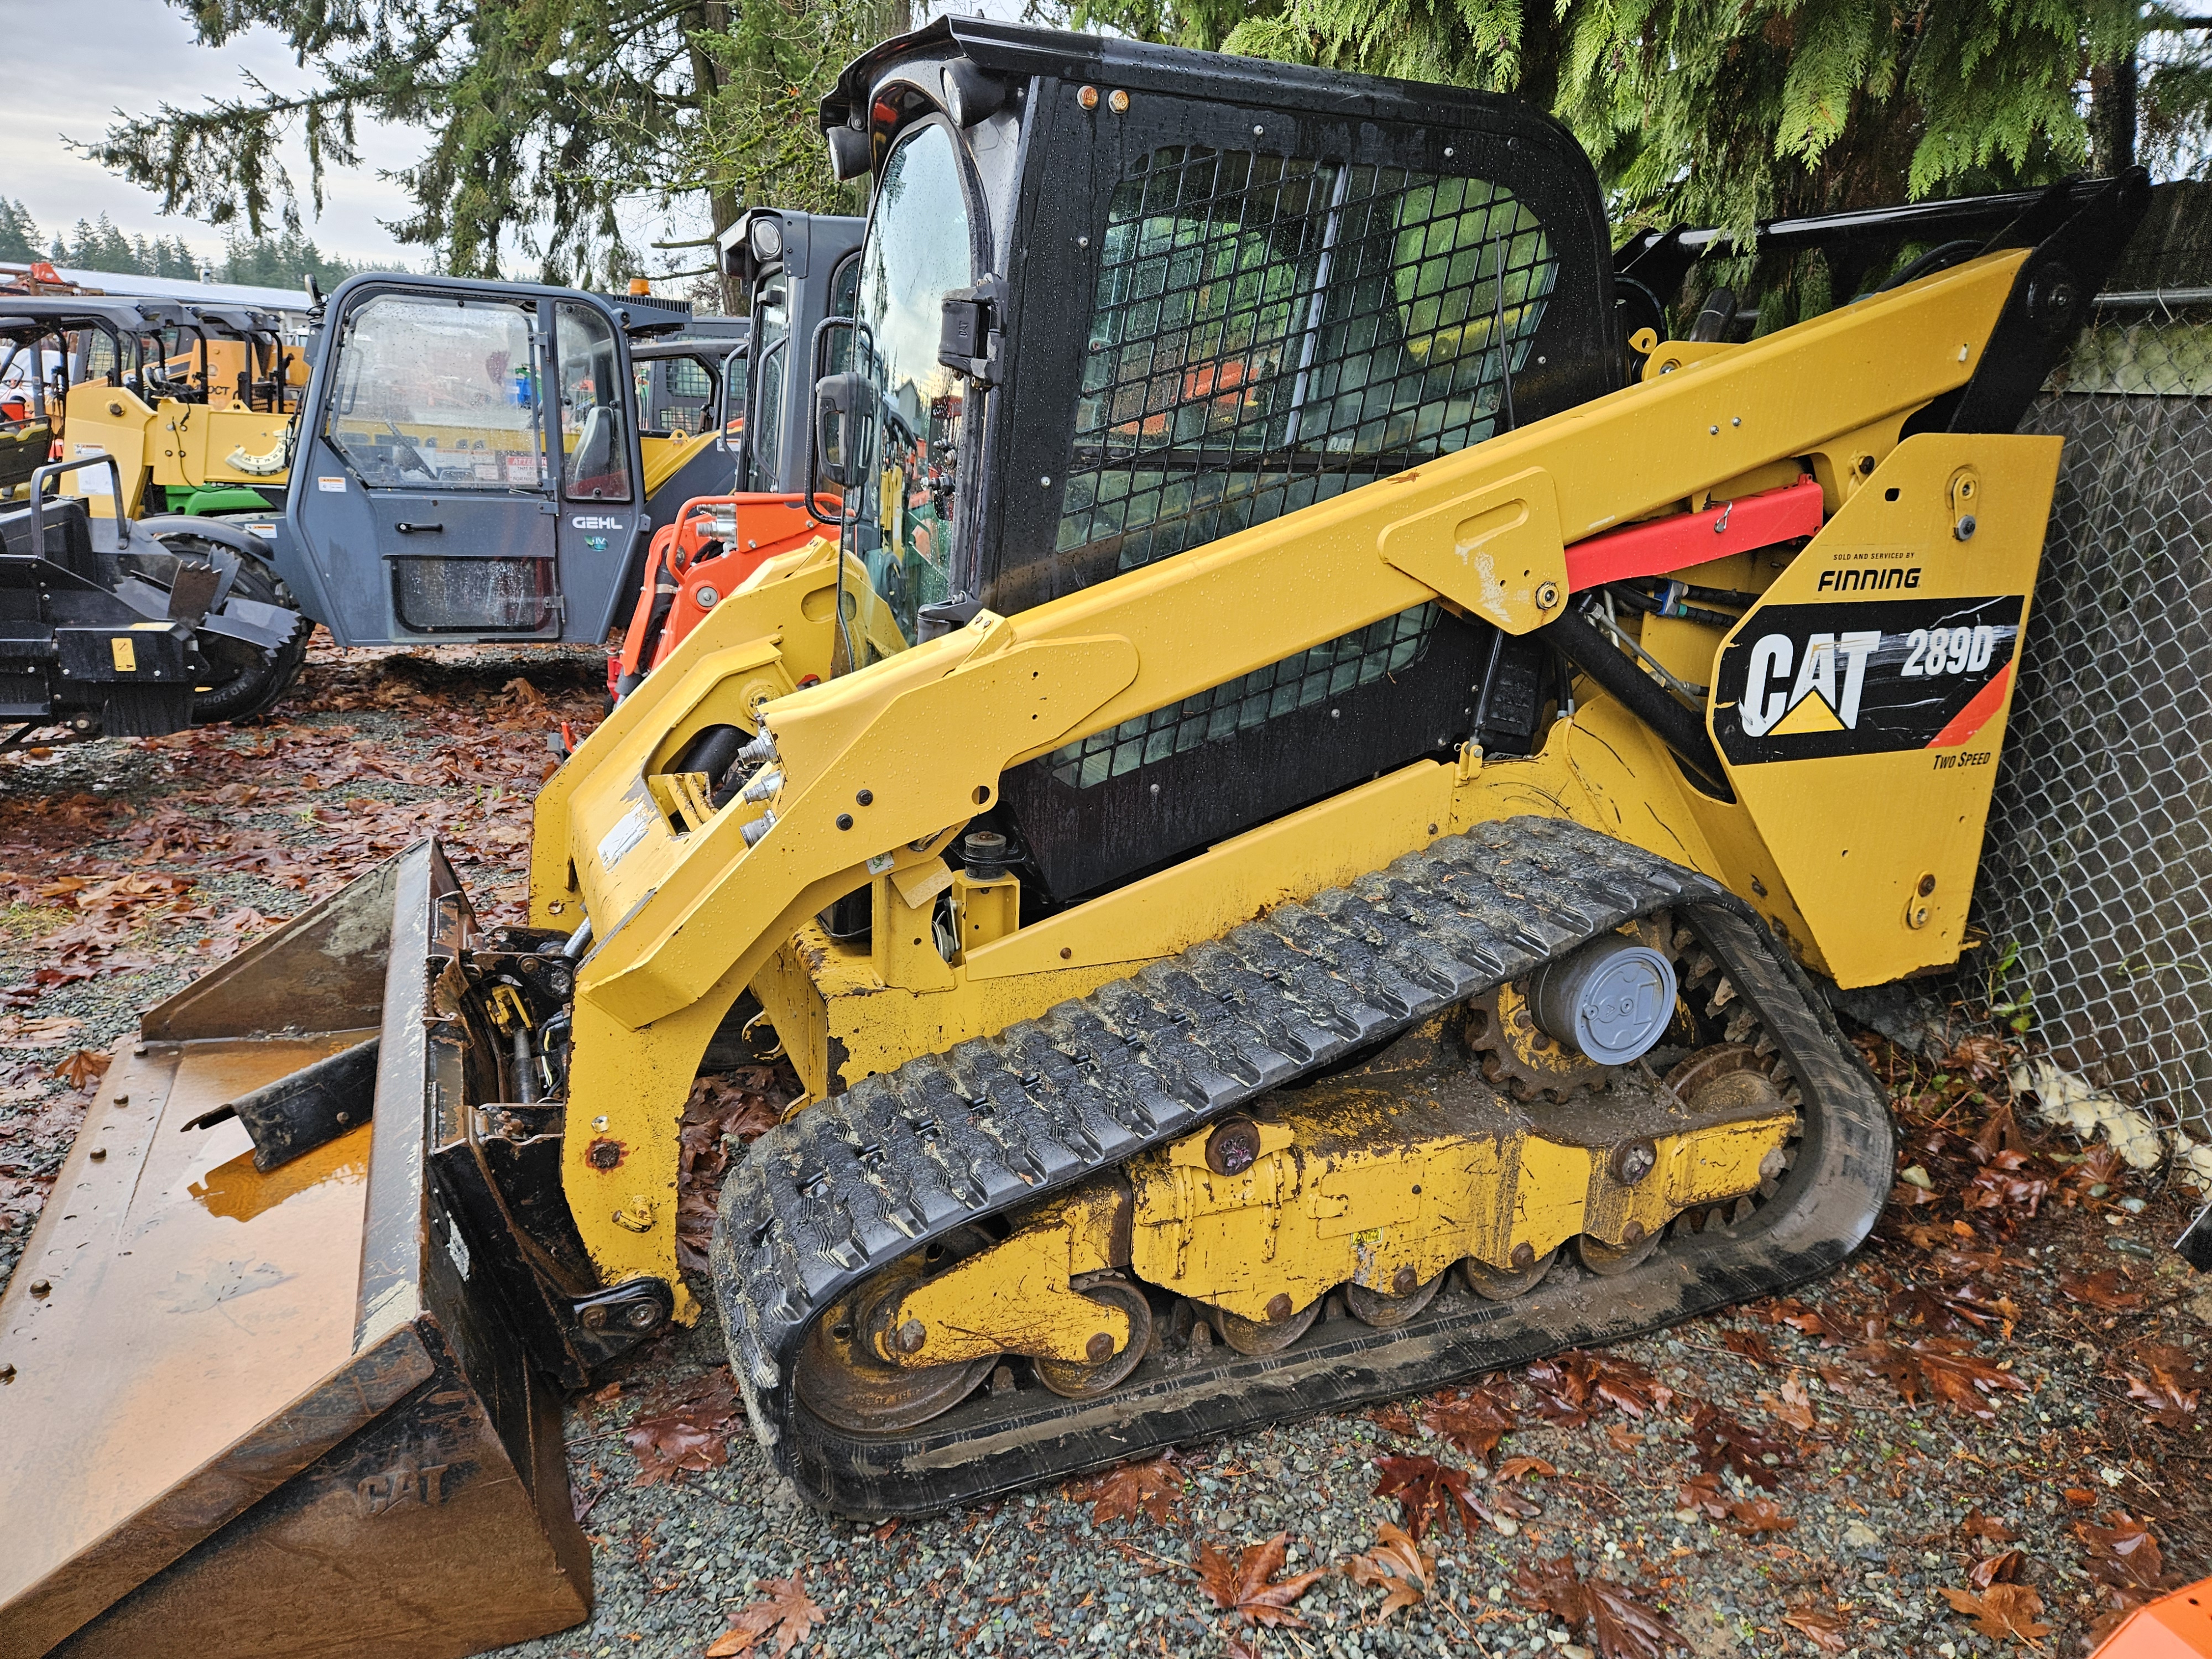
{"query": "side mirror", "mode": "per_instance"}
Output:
(850, 154)
(840, 413)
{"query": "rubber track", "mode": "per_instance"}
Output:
(859, 1181)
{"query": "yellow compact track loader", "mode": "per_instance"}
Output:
(1294, 842)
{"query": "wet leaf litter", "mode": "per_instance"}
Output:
(1984, 1435)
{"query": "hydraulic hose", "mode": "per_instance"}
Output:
(1676, 726)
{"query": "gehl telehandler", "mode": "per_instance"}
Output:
(1293, 845)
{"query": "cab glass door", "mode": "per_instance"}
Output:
(602, 517)
(436, 413)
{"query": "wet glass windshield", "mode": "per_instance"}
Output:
(917, 252)
(437, 392)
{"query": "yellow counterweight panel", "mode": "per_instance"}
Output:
(1876, 829)
(105, 420)
(191, 444)
(691, 922)
(666, 457)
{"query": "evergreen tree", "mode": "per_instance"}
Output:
(543, 115)
(283, 260)
(1726, 112)
(101, 246)
(18, 232)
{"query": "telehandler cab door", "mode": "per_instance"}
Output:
(471, 466)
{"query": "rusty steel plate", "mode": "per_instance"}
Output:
(276, 1414)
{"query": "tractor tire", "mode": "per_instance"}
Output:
(244, 681)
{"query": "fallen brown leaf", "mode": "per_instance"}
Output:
(1977, 1525)
(1942, 1367)
(1757, 1514)
(1620, 1626)
(1794, 1405)
(1474, 1419)
(1981, 1057)
(1397, 1565)
(2004, 1610)
(788, 1611)
(2008, 1181)
(2170, 1394)
(1752, 1345)
(1249, 1588)
(1703, 1492)
(2101, 1165)
(2122, 1552)
(1513, 1469)
(2002, 1568)
(691, 1434)
(1394, 1418)
(1430, 1493)
(1152, 1486)
(1806, 1322)
(84, 1068)
(1826, 1631)
(1720, 1443)
(1568, 1384)
(2100, 1290)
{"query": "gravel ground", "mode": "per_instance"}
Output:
(1842, 1503)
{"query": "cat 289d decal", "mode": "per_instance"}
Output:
(1860, 705)
(1806, 682)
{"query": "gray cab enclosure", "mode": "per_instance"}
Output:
(802, 269)
(469, 463)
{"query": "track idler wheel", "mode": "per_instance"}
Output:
(1386, 1311)
(1256, 1336)
(850, 1387)
(1074, 1380)
(1505, 1283)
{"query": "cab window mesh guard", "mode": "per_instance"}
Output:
(1267, 334)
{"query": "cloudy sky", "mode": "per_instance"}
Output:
(76, 62)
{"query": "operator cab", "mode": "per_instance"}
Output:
(801, 268)
(470, 467)
(1119, 300)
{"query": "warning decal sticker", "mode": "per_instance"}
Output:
(1802, 682)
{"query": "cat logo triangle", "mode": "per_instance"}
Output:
(1811, 715)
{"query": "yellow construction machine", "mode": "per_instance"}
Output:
(194, 401)
(1294, 838)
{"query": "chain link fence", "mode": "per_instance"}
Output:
(2096, 879)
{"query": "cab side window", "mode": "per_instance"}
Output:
(594, 424)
